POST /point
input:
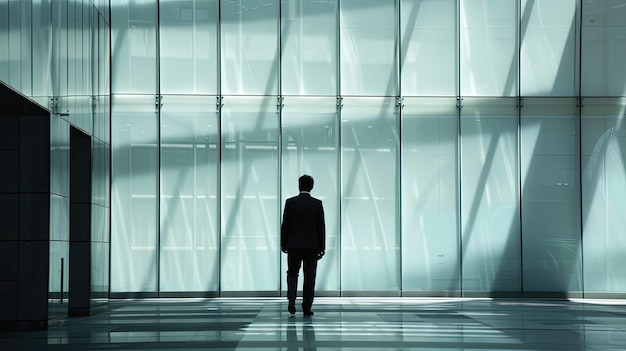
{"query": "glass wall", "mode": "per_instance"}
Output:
(310, 139)
(460, 147)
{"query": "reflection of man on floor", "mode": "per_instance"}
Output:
(303, 239)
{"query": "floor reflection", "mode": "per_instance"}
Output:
(338, 323)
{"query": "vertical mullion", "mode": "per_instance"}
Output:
(399, 105)
(339, 150)
(219, 149)
(459, 181)
(279, 111)
(158, 129)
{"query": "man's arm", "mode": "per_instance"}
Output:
(283, 230)
(321, 229)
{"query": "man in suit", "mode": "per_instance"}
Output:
(303, 239)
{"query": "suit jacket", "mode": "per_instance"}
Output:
(303, 224)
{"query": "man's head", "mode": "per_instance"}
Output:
(305, 183)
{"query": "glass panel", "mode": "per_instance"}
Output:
(368, 47)
(603, 146)
(135, 162)
(4, 41)
(58, 48)
(548, 48)
(189, 204)
(603, 48)
(250, 206)
(550, 195)
(490, 196)
(72, 49)
(99, 272)
(249, 47)
(430, 224)
(309, 48)
(429, 48)
(370, 240)
(188, 40)
(134, 39)
(309, 146)
(489, 57)
(58, 271)
(17, 24)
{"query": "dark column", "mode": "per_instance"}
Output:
(24, 211)
(80, 223)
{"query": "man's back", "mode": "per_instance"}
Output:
(303, 223)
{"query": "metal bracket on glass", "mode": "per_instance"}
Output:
(279, 103)
(459, 102)
(158, 101)
(520, 102)
(339, 103)
(400, 102)
(579, 102)
(54, 105)
(218, 103)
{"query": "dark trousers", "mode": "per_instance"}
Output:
(308, 260)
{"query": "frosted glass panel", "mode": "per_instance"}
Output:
(370, 240)
(490, 196)
(134, 40)
(429, 48)
(550, 195)
(309, 146)
(368, 47)
(188, 46)
(548, 48)
(134, 192)
(603, 146)
(430, 224)
(249, 47)
(489, 52)
(603, 41)
(189, 187)
(309, 48)
(249, 178)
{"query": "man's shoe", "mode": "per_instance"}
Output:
(292, 306)
(308, 313)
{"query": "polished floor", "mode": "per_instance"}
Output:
(338, 324)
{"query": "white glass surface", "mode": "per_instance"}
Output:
(134, 189)
(489, 47)
(490, 199)
(134, 41)
(430, 221)
(188, 46)
(189, 207)
(603, 40)
(551, 241)
(548, 48)
(603, 145)
(250, 206)
(368, 47)
(310, 146)
(249, 47)
(309, 48)
(370, 238)
(428, 48)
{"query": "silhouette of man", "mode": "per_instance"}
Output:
(303, 239)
